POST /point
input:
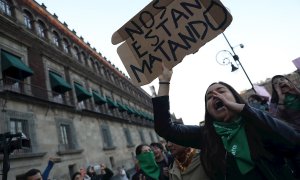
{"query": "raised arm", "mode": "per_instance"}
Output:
(164, 82)
(180, 134)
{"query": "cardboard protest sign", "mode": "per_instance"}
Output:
(166, 31)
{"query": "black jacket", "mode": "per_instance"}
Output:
(277, 137)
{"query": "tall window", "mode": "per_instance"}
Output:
(77, 55)
(19, 126)
(83, 58)
(41, 29)
(55, 39)
(65, 45)
(91, 63)
(112, 78)
(142, 136)
(27, 20)
(106, 135)
(102, 71)
(65, 135)
(97, 66)
(151, 136)
(5, 7)
(128, 137)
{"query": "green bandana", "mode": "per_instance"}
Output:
(148, 165)
(235, 141)
(292, 101)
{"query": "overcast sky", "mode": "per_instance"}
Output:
(269, 31)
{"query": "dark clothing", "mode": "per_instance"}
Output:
(278, 139)
(163, 164)
(137, 175)
(107, 176)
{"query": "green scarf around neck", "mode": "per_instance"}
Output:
(292, 101)
(235, 141)
(148, 164)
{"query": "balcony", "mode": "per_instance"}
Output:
(12, 85)
(31, 91)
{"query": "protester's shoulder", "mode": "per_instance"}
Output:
(159, 99)
(136, 176)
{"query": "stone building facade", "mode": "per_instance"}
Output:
(68, 99)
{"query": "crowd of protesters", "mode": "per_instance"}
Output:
(238, 141)
(258, 139)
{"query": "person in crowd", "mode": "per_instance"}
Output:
(35, 174)
(121, 175)
(147, 169)
(91, 173)
(259, 102)
(163, 160)
(83, 174)
(187, 164)
(286, 106)
(105, 173)
(77, 176)
(236, 141)
(286, 100)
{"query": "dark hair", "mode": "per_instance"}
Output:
(75, 174)
(31, 172)
(138, 149)
(156, 144)
(213, 150)
(275, 97)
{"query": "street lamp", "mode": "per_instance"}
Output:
(224, 57)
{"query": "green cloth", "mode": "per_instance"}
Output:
(292, 101)
(235, 141)
(14, 66)
(148, 164)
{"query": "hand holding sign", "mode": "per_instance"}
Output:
(166, 74)
(166, 31)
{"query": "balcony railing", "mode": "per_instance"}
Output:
(20, 87)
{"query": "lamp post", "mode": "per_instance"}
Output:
(227, 59)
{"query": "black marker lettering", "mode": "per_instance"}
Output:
(186, 38)
(162, 24)
(147, 19)
(160, 48)
(130, 31)
(177, 15)
(155, 37)
(152, 59)
(187, 6)
(135, 70)
(162, 8)
(192, 25)
(136, 47)
(173, 47)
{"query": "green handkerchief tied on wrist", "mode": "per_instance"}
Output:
(235, 141)
(148, 165)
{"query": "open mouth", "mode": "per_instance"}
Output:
(284, 86)
(219, 104)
